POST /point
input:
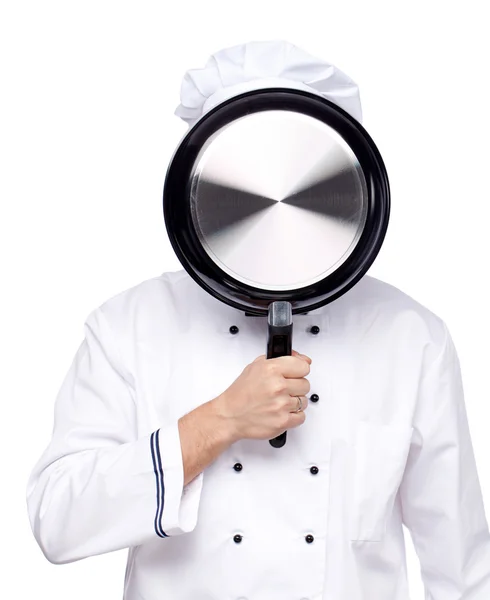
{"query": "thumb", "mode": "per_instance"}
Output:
(303, 356)
(261, 357)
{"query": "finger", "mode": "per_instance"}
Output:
(294, 402)
(296, 419)
(292, 366)
(293, 353)
(297, 387)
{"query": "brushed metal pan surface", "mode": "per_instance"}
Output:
(278, 199)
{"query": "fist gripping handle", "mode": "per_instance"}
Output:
(279, 343)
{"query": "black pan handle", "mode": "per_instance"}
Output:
(279, 343)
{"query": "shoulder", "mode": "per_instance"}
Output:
(376, 306)
(167, 293)
(377, 293)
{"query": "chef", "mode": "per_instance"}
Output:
(161, 428)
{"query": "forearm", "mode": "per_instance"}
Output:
(204, 434)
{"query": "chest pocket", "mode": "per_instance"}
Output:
(379, 457)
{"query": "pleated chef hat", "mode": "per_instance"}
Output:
(255, 65)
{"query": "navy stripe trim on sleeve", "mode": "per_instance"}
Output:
(157, 467)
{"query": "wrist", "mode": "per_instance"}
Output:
(225, 423)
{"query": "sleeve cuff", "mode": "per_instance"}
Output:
(176, 506)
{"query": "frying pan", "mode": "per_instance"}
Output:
(276, 202)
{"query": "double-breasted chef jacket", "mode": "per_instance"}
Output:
(385, 443)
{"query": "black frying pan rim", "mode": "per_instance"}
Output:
(184, 239)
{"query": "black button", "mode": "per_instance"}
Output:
(314, 470)
(314, 397)
(315, 329)
(237, 467)
(309, 538)
(234, 329)
(237, 539)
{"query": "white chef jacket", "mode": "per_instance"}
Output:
(385, 442)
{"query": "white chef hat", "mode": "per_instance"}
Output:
(255, 65)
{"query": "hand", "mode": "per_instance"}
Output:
(259, 403)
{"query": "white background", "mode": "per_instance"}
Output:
(87, 130)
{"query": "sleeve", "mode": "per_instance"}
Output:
(441, 498)
(98, 487)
